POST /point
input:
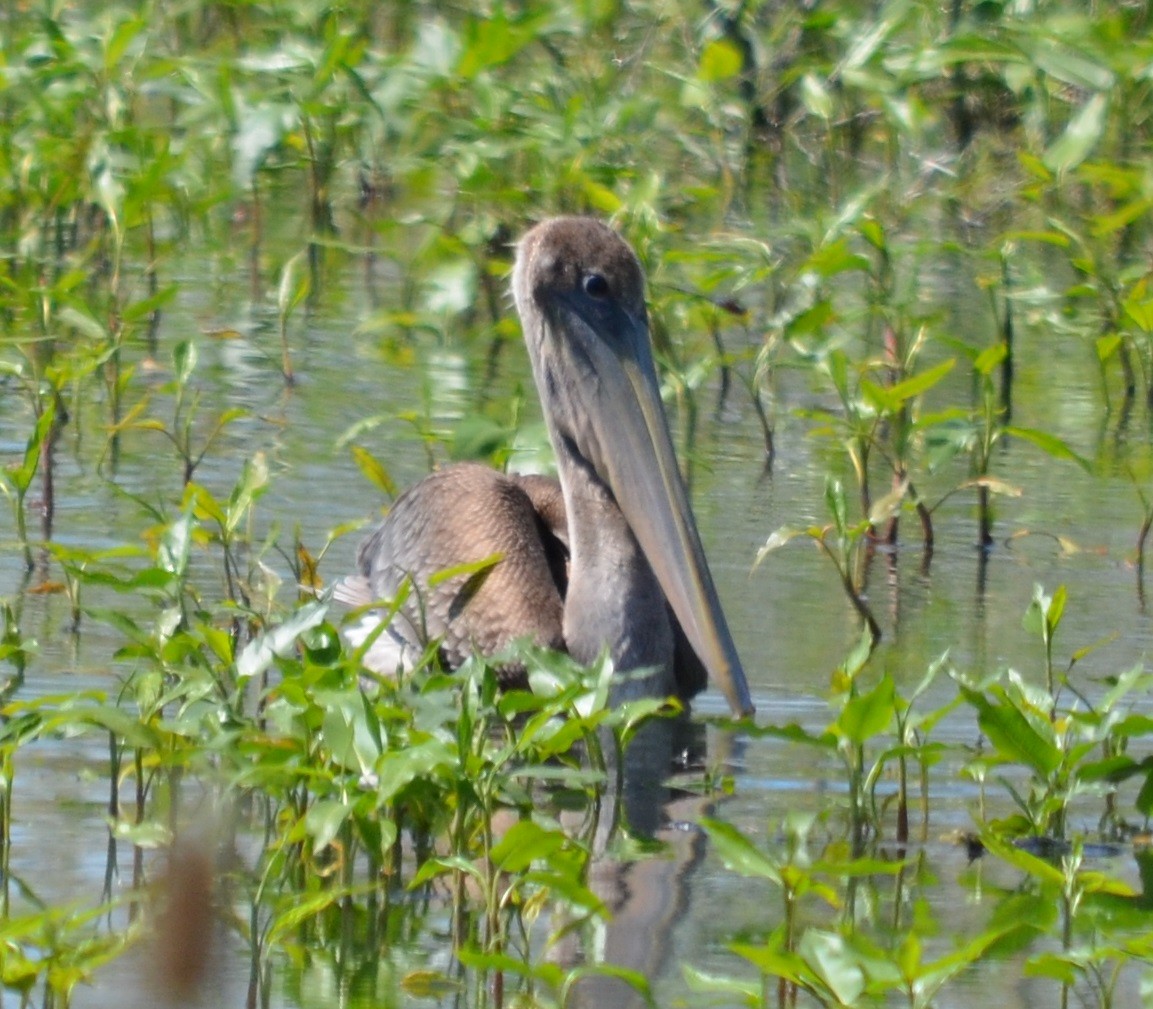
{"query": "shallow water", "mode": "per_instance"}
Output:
(790, 619)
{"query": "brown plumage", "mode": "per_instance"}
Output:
(464, 515)
(608, 560)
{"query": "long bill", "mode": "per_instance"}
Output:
(639, 464)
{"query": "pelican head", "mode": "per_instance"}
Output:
(579, 290)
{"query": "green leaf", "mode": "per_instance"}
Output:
(1144, 800)
(1140, 311)
(478, 437)
(259, 654)
(837, 504)
(175, 545)
(834, 962)
(350, 729)
(1013, 735)
(291, 291)
(1108, 345)
(259, 130)
(471, 569)
(183, 361)
(891, 398)
(739, 853)
(888, 505)
(21, 476)
(299, 909)
(701, 981)
(524, 843)
(324, 820)
(867, 715)
(1055, 966)
(776, 961)
(398, 768)
(252, 484)
(429, 984)
(374, 470)
(720, 60)
(990, 358)
(82, 322)
(1051, 444)
(776, 540)
(794, 733)
(815, 96)
(120, 40)
(1080, 136)
(1055, 608)
(491, 42)
(1023, 860)
(633, 978)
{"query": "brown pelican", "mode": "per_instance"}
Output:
(609, 559)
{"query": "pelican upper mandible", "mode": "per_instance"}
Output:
(610, 559)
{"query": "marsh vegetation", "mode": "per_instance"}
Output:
(253, 280)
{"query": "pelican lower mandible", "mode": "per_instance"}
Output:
(607, 560)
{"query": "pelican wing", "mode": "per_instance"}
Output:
(473, 518)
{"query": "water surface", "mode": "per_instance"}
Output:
(791, 621)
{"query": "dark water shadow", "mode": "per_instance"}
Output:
(646, 897)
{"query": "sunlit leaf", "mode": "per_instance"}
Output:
(816, 96)
(992, 483)
(1059, 967)
(893, 396)
(888, 505)
(21, 476)
(184, 357)
(834, 962)
(293, 286)
(524, 843)
(1134, 210)
(492, 41)
(82, 322)
(1014, 736)
(1107, 345)
(720, 59)
(428, 984)
(868, 714)
(301, 908)
(260, 653)
(837, 504)
(1050, 444)
(172, 555)
(1140, 310)
(122, 37)
(324, 820)
(470, 569)
(451, 287)
(836, 257)
(739, 853)
(776, 540)
(1081, 135)
(702, 981)
(373, 470)
(600, 197)
(775, 961)
(259, 130)
(990, 358)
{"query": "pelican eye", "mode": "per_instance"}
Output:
(596, 286)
